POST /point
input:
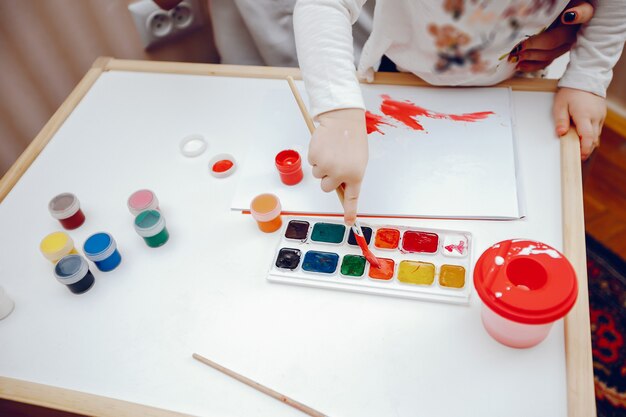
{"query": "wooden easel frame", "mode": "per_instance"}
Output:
(580, 384)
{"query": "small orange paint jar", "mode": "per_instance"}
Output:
(265, 208)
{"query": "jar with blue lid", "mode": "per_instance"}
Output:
(101, 249)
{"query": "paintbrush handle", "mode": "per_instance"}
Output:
(305, 113)
(259, 387)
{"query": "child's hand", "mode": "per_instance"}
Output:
(338, 153)
(586, 110)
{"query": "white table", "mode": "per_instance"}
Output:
(130, 338)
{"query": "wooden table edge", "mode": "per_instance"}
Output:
(75, 401)
(580, 386)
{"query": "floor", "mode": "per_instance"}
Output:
(605, 219)
(605, 193)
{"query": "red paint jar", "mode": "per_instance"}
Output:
(289, 166)
(66, 209)
(525, 286)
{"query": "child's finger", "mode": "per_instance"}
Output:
(350, 202)
(560, 112)
(587, 138)
(329, 183)
(317, 172)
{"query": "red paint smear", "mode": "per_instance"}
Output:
(420, 242)
(371, 258)
(385, 272)
(373, 122)
(470, 117)
(406, 112)
(460, 247)
(223, 165)
(403, 112)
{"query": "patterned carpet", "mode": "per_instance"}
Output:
(607, 297)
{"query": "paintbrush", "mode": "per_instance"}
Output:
(277, 395)
(356, 227)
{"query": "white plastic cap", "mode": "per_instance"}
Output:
(71, 269)
(63, 206)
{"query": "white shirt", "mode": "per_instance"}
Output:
(260, 32)
(444, 45)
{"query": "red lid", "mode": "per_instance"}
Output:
(526, 281)
(288, 161)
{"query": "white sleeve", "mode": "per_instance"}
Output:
(598, 47)
(323, 30)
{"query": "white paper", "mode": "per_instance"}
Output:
(451, 169)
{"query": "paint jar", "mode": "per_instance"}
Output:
(6, 304)
(265, 208)
(57, 245)
(74, 272)
(525, 286)
(142, 200)
(101, 249)
(150, 225)
(289, 166)
(66, 209)
(222, 165)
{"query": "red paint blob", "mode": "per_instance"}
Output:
(407, 113)
(385, 272)
(74, 221)
(373, 122)
(223, 165)
(420, 242)
(387, 238)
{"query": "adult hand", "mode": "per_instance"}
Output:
(338, 153)
(538, 51)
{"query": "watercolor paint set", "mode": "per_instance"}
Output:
(417, 263)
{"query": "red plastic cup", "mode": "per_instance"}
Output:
(525, 286)
(289, 166)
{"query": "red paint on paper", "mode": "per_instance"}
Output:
(403, 111)
(373, 122)
(408, 113)
(470, 117)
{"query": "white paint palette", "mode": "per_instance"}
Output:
(416, 263)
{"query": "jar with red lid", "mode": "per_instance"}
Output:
(525, 286)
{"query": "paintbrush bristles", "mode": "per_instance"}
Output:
(280, 397)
